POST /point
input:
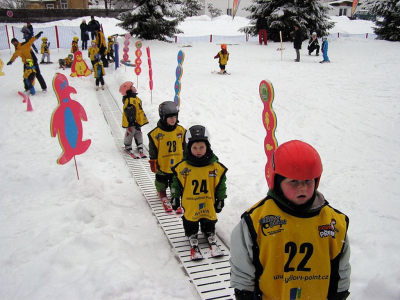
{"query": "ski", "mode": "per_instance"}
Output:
(142, 155)
(195, 253)
(130, 153)
(179, 210)
(215, 72)
(214, 248)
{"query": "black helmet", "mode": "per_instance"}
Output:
(168, 109)
(197, 133)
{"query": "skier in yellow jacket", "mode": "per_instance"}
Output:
(166, 146)
(133, 117)
(200, 181)
(92, 51)
(99, 72)
(223, 57)
(24, 51)
(45, 50)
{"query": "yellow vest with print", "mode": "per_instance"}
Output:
(141, 118)
(296, 253)
(169, 147)
(223, 58)
(92, 52)
(199, 185)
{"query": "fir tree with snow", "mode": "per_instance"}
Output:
(214, 11)
(388, 25)
(151, 19)
(191, 8)
(282, 15)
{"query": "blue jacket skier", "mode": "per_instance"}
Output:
(324, 50)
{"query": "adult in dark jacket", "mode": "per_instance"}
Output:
(313, 44)
(93, 25)
(30, 35)
(84, 34)
(261, 26)
(297, 40)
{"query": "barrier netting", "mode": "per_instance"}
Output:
(61, 37)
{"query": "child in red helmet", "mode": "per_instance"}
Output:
(223, 56)
(292, 242)
(133, 118)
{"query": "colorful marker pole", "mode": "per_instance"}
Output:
(179, 73)
(150, 72)
(125, 57)
(138, 61)
(267, 94)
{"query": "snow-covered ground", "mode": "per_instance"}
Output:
(96, 238)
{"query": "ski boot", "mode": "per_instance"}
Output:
(195, 253)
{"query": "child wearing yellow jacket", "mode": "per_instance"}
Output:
(200, 182)
(133, 118)
(29, 76)
(98, 72)
(74, 44)
(223, 57)
(44, 49)
(92, 51)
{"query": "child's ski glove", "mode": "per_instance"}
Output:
(153, 165)
(219, 204)
(175, 203)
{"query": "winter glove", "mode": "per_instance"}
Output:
(9, 63)
(219, 204)
(339, 296)
(153, 165)
(175, 203)
(243, 295)
(39, 34)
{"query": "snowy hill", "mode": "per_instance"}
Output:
(96, 238)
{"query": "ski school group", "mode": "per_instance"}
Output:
(292, 243)
(99, 53)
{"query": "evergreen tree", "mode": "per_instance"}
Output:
(282, 15)
(148, 19)
(215, 12)
(191, 8)
(388, 21)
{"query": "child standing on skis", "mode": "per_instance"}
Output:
(92, 51)
(133, 118)
(98, 72)
(200, 182)
(45, 50)
(74, 44)
(29, 76)
(223, 57)
(166, 145)
(110, 49)
(324, 50)
(292, 241)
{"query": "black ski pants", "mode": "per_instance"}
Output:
(192, 228)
